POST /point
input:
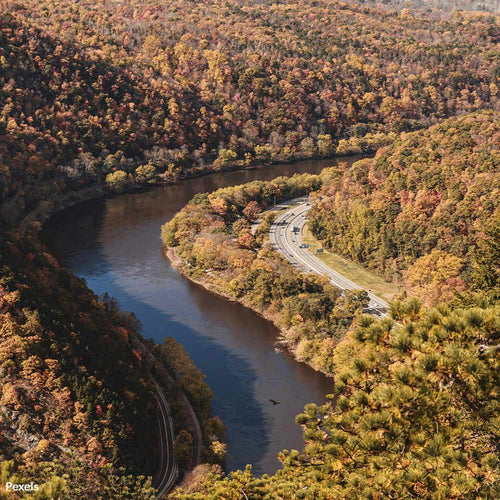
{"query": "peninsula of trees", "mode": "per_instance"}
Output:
(211, 242)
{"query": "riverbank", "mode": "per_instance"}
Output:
(167, 382)
(177, 264)
(211, 242)
(113, 245)
(31, 222)
(30, 227)
(283, 340)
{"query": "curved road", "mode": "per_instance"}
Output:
(288, 243)
(167, 473)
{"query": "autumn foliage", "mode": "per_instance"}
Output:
(74, 398)
(96, 89)
(99, 97)
(420, 210)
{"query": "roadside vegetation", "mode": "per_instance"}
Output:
(367, 280)
(213, 240)
(189, 381)
(422, 211)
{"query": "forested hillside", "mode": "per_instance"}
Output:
(96, 89)
(62, 109)
(444, 6)
(75, 399)
(424, 210)
(77, 407)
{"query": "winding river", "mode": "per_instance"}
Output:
(115, 245)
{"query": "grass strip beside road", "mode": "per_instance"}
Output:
(354, 272)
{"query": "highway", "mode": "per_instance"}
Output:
(288, 244)
(167, 472)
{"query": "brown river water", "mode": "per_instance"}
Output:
(114, 244)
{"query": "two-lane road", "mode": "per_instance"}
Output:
(167, 472)
(288, 243)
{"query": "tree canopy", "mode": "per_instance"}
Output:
(90, 88)
(423, 211)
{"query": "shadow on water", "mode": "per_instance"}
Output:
(114, 245)
(231, 378)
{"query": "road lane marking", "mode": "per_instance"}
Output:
(281, 241)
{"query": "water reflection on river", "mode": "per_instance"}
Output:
(114, 244)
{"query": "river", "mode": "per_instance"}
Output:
(114, 244)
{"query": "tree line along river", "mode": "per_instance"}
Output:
(115, 245)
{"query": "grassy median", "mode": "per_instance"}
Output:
(354, 272)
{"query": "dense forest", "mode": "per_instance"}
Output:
(140, 92)
(423, 210)
(99, 97)
(438, 6)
